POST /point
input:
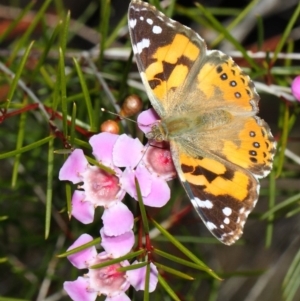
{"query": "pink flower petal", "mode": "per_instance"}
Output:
(127, 182)
(82, 210)
(117, 245)
(137, 277)
(117, 220)
(73, 166)
(77, 290)
(147, 119)
(158, 160)
(121, 297)
(102, 145)
(127, 152)
(79, 259)
(296, 87)
(159, 195)
(144, 178)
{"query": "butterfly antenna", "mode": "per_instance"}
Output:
(118, 115)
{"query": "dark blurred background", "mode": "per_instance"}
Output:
(251, 272)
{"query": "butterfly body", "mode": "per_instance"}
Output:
(208, 108)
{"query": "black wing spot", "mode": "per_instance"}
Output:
(209, 175)
(224, 76)
(219, 69)
(187, 168)
(237, 94)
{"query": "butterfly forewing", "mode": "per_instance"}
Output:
(165, 51)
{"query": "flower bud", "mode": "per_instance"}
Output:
(110, 126)
(131, 105)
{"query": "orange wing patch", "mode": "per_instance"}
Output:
(255, 148)
(222, 194)
(223, 78)
(171, 65)
(215, 178)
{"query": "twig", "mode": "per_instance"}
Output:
(85, 32)
(44, 288)
(275, 90)
(23, 86)
(292, 156)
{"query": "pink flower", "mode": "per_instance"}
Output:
(100, 187)
(158, 158)
(108, 280)
(296, 87)
(151, 174)
(152, 166)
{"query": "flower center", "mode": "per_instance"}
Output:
(107, 280)
(100, 187)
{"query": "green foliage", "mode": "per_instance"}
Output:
(55, 90)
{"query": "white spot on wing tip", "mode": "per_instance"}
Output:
(156, 29)
(202, 204)
(144, 43)
(227, 211)
(149, 21)
(211, 226)
(132, 23)
(226, 220)
(134, 49)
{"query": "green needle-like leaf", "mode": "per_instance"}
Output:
(92, 243)
(119, 259)
(17, 76)
(26, 148)
(142, 207)
(184, 250)
(86, 96)
(173, 271)
(167, 288)
(49, 193)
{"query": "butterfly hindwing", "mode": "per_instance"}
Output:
(222, 193)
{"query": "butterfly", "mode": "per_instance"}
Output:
(208, 109)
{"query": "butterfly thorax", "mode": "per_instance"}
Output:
(176, 126)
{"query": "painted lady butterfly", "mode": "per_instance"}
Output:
(208, 108)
